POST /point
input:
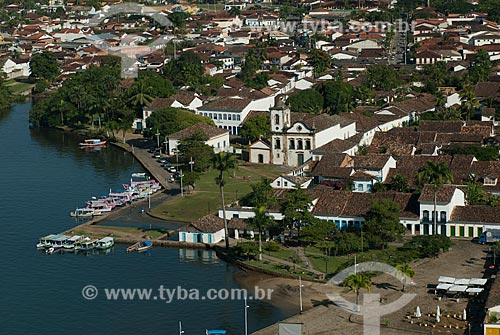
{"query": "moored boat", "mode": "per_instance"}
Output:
(93, 143)
(140, 246)
(86, 244)
(84, 212)
(105, 243)
(45, 242)
(71, 242)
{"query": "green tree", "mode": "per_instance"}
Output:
(178, 19)
(382, 223)
(195, 148)
(5, 94)
(170, 120)
(399, 183)
(139, 95)
(382, 77)
(435, 174)
(223, 162)
(235, 11)
(295, 210)
(186, 70)
(44, 66)
(158, 86)
(256, 127)
(261, 195)
(253, 63)
(261, 220)
(407, 271)
(338, 96)
(320, 61)
(258, 82)
(480, 68)
(320, 230)
(356, 282)
(306, 101)
(190, 178)
(429, 245)
(469, 101)
(475, 194)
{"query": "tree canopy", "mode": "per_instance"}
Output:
(255, 127)
(194, 147)
(382, 223)
(43, 66)
(170, 120)
(306, 101)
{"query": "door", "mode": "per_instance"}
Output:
(462, 231)
(471, 231)
(300, 159)
(452, 231)
(261, 158)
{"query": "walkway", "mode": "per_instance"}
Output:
(291, 264)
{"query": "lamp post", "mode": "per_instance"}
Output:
(157, 138)
(300, 294)
(246, 316)
(181, 175)
(191, 163)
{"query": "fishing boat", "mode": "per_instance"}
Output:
(86, 244)
(71, 242)
(140, 246)
(105, 243)
(84, 213)
(93, 143)
(45, 242)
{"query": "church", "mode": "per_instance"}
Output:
(294, 136)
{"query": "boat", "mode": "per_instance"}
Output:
(93, 143)
(86, 244)
(144, 246)
(84, 213)
(105, 243)
(45, 242)
(57, 243)
(216, 332)
(140, 246)
(71, 242)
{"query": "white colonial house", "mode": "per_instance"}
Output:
(210, 230)
(216, 138)
(447, 198)
(16, 68)
(260, 151)
(229, 113)
(290, 182)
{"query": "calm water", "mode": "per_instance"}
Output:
(44, 175)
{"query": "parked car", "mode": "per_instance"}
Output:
(172, 169)
(162, 160)
(157, 154)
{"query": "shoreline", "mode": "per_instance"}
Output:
(284, 287)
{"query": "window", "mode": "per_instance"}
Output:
(285, 183)
(277, 119)
(425, 216)
(224, 143)
(369, 187)
(490, 181)
(278, 183)
(237, 118)
(225, 116)
(308, 144)
(215, 116)
(210, 115)
(229, 116)
(220, 116)
(277, 144)
(360, 187)
(291, 145)
(442, 217)
(236, 216)
(299, 145)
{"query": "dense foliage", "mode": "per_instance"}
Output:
(167, 121)
(256, 127)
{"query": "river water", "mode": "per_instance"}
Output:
(44, 175)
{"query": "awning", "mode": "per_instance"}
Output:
(462, 281)
(478, 281)
(474, 290)
(443, 286)
(457, 288)
(443, 279)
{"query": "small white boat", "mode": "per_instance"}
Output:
(84, 212)
(86, 244)
(71, 242)
(93, 143)
(45, 242)
(105, 243)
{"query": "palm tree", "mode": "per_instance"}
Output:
(140, 98)
(407, 271)
(356, 282)
(435, 174)
(223, 162)
(470, 102)
(261, 221)
(474, 194)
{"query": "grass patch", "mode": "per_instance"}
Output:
(284, 254)
(281, 269)
(206, 198)
(17, 87)
(334, 264)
